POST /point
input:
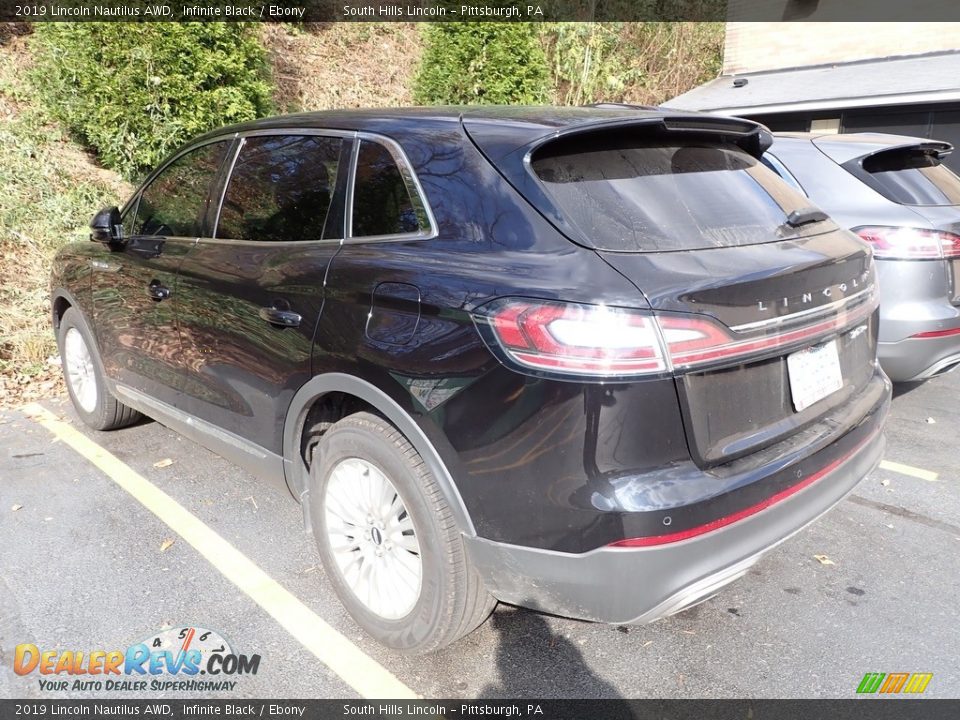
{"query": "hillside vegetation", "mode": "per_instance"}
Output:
(51, 182)
(49, 188)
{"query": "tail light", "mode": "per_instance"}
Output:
(579, 339)
(900, 243)
(949, 332)
(600, 341)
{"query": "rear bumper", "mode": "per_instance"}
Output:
(919, 358)
(639, 585)
(916, 297)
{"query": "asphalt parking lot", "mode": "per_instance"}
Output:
(85, 565)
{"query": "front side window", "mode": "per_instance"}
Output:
(384, 201)
(175, 201)
(281, 189)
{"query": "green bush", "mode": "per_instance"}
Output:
(134, 92)
(588, 63)
(482, 63)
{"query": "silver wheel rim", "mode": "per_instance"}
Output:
(79, 367)
(373, 539)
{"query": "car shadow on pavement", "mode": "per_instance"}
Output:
(902, 388)
(535, 662)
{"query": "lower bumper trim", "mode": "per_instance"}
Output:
(737, 516)
(919, 358)
(640, 584)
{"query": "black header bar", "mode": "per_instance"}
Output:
(477, 10)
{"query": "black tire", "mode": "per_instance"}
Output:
(106, 413)
(452, 599)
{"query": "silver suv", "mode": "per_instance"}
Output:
(895, 193)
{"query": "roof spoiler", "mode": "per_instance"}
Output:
(875, 145)
(749, 136)
(898, 157)
(935, 148)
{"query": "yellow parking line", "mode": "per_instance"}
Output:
(909, 470)
(356, 668)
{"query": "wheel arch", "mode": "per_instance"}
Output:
(62, 300)
(296, 471)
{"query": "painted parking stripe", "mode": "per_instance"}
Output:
(349, 662)
(902, 469)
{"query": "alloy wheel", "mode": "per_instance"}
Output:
(79, 370)
(373, 539)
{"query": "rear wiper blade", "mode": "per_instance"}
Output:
(806, 215)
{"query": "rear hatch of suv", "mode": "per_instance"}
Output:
(911, 173)
(765, 308)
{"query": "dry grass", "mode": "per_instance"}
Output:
(638, 63)
(673, 58)
(49, 188)
(343, 65)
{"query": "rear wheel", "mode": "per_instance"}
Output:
(84, 377)
(388, 540)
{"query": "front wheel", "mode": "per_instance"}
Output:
(388, 540)
(83, 373)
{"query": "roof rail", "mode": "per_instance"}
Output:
(622, 105)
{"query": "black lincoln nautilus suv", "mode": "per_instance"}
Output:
(593, 361)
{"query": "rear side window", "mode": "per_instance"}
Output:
(385, 200)
(908, 176)
(175, 201)
(625, 197)
(281, 189)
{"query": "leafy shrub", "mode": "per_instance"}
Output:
(587, 63)
(135, 91)
(482, 63)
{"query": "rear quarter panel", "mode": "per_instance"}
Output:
(513, 443)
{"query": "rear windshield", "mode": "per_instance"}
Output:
(909, 177)
(625, 197)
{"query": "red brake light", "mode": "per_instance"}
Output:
(937, 333)
(900, 243)
(607, 342)
(951, 244)
(578, 339)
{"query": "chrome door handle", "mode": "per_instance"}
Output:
(281, 318)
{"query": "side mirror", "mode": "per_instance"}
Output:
(107, 226)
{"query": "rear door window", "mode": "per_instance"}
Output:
(175, 202)
(627, 197)
(281, 189)
(908, 176)
(385, 199)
